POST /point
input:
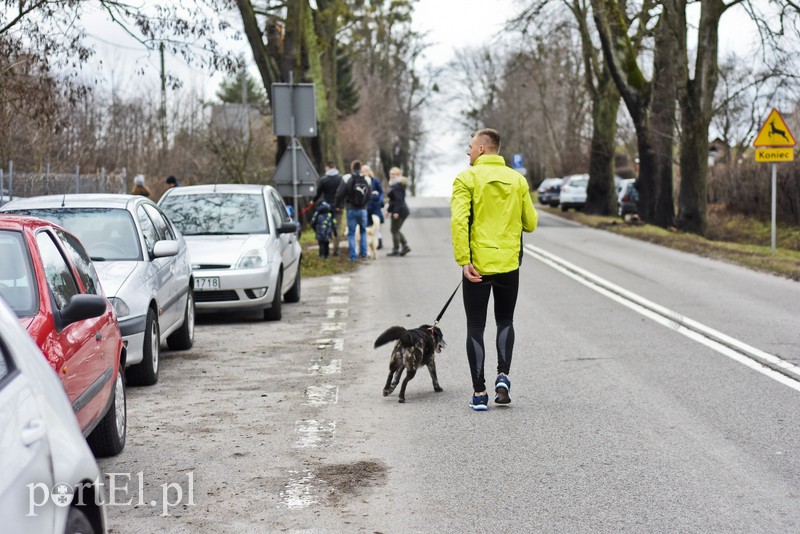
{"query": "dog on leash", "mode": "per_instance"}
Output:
(413, 348)
(372, 237)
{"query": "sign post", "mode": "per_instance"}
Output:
(294, 115)
(774, 143)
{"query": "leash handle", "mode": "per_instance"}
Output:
(441, 313)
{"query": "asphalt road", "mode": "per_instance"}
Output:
(618, 423)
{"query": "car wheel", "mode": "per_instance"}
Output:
(77, 522)
(564, 207)
(108, 438)
(273, 313)
(293, 295)
(146, 373)
(183, 337)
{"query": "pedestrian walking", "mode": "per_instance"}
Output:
(397, 211)
(329, 183)
(355, 195)
(490, 208)
(139, 188)
(324, 225)
(375, 205)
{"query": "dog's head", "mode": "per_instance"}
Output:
(438, 337)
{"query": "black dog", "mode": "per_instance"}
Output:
(413, 348)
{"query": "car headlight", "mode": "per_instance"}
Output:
(120, 308)
(252, 259)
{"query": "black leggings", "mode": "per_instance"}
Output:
(504, 286)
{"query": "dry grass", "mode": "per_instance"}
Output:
(732, 238)
(313, 265)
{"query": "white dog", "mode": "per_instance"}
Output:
(372, 237)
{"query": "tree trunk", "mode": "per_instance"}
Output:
(325, 28)
(696, 102)
(601, 198)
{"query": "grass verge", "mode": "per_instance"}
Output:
(312, 265)
(732, 238)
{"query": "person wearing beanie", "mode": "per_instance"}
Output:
(138, 186)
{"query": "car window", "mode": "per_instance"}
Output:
(275, 212)
(217, 213)
(5, 364)
(59, 276)
(162, 228)
(108, 234)
(578, 182)
(148, 228)
(17, 283)
(83, 264)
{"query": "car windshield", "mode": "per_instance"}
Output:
(17, 285)
(107, 234)
(217, 213)
(578, 182)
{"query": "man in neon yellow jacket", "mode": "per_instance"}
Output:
(490, 208)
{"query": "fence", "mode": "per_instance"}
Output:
(29, 184)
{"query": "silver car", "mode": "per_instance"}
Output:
(242, 243)
(573, 192)
(46, 463)
(143, 265)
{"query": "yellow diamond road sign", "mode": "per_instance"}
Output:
(774, 132)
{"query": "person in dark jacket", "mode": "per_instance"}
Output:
(398, 211)
(327, 187)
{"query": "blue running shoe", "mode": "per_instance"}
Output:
(502, 390)
(479, 403)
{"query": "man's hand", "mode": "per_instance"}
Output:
(470, 273)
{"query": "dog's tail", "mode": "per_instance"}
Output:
(394, 333)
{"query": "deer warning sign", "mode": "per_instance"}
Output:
(774, 132)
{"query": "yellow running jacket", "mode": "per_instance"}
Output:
(490, 208)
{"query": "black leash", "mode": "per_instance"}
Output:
(447, 304)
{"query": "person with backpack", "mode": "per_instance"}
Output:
(398, 211)
(355, 195)
(324, 225)
(327, 188)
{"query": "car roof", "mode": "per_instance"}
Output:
(88, 200)
(218, 188)
(9, 221)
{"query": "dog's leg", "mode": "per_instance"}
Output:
(395, 368)
(432, 369)
(409, 375)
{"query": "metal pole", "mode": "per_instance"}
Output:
(47, 179)
(77, 178)
(10, 179)
(774, 202)
(124, 180)
(2, 190)
(293, 147)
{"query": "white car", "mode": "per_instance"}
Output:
(242, 243)
(573, 192)
(50, 480)
(143, 265)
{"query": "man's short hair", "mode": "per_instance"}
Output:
(491, 135)
(330, 164)
(355, 166)
(171, 180)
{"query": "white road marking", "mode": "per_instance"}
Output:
(722, 343)
(340, 279)
(339, 290)
(298, 494)
(313, 433)
(330, 343)
(318, 367)
(328, 328)
(337, 313)
(321, 395)
(338, 300)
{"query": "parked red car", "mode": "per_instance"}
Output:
(47, 278)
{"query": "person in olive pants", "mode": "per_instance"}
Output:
(398, 211)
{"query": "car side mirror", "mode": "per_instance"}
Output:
(82, 307)
(288, 228)
(165, 248)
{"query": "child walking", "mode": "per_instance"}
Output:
(324, 226)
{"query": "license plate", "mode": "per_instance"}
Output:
(206, 284)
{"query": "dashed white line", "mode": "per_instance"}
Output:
(297, 494)
(338, 300)
(337, 313)
(321, 395)
(333, 327)
(314, 433)
(318, 367)
(330, 343)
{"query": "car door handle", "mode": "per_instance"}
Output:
(33, 432)
(98, 336)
